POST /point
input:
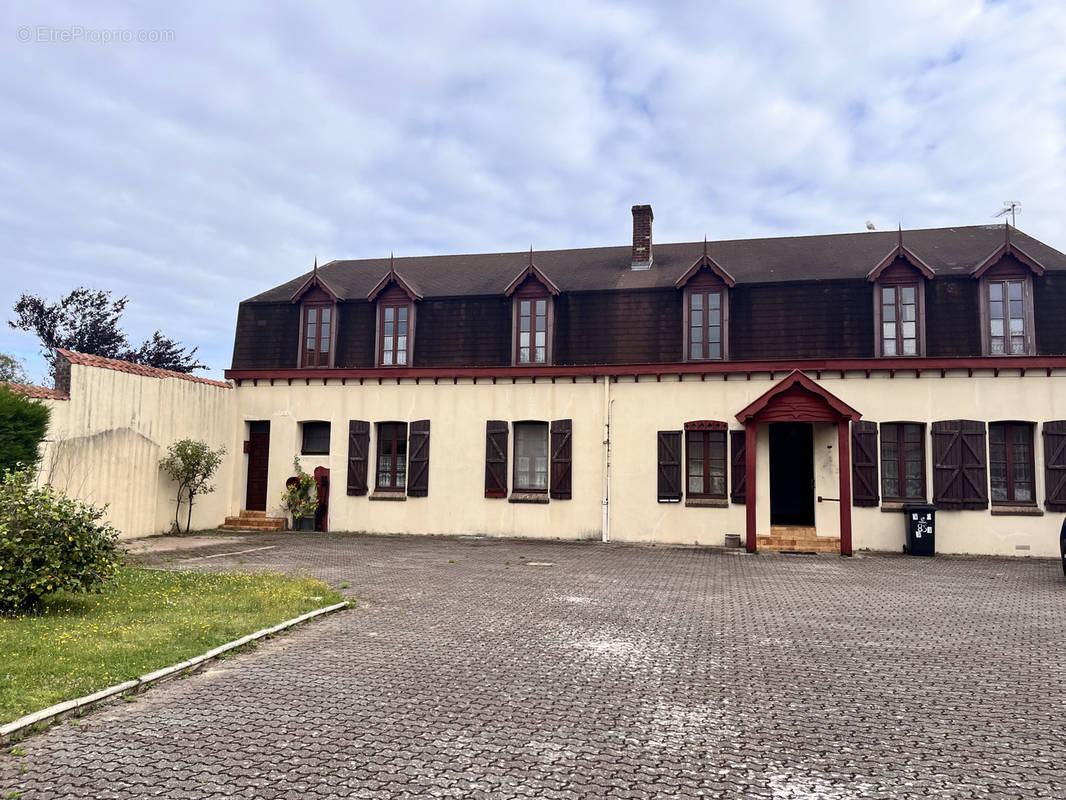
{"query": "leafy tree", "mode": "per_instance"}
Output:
(191, 464)
(49, 541)
(11, 369)
(87, 321)
(23, 423)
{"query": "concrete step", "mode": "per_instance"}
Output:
(799, 544)
(248, 513)
(255, 521)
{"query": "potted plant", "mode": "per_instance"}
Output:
(300, 498)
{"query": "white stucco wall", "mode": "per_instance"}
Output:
(638, 410)
(104, 444)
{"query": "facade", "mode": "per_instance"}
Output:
(648, 393)
(672, 393)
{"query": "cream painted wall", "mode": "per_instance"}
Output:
(456, 502)
(105, 442)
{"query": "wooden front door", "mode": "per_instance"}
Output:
(258, 461)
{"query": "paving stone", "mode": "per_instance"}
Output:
(621, 671)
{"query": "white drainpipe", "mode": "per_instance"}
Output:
(607, 402)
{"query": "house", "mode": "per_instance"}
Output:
(791, 387)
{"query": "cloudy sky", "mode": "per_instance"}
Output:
(189, 155)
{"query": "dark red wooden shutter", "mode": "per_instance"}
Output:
(561, 448)
(495, 458)
(738, 466)
(358, 446)
(960, 474)
(669, 465)
(418, 459)
(864, 488)
(1055, 465)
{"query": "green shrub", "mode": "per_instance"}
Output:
(23, 423)
(49, 541)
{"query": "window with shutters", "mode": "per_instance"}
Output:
(496, 432)
(531, 456)
(314, 438)
(960, 476)
(1010, 463)
(1055, 465)
(316, 347)
(705, 460)
(391, 456)
(669, 470)
(903, 461)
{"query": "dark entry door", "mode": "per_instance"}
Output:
(791, 473)
(258, 461)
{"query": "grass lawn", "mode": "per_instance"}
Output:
(143, 620)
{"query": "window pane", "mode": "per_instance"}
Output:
(889, 330)
(542, 308)
(539, 339)
(389, 324)
(541, 322)
(696, 301)
(531, 455)
(1015, 326)
(1016, 309)
(998, 346)
(542, 355)
(908, 313)
(995, 291)
(1017, 345)
(523, 308)
(697, 350)
(907, 294)
(401, 350)
(697, 335)
(714, 350)
(523, 355)
(523, 323)
(915, 491)
(312, 316)
(997, 327)
(401, 313)
(910, 347)
(401, 327)
(714, 300)
(311, 344)
(1014, 289)
(390, 314)
(890, 484)
(697, 318)
(315, 438)
(890, 347)
(888, 314)
(888, 296)
(714, 317)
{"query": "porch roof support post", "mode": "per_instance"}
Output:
(844, 448)
(750, 478)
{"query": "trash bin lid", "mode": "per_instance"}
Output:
(919, 507)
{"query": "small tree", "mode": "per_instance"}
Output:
(23, 423)
(12, 369)
(191, 464)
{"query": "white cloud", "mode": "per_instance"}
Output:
(192, 173)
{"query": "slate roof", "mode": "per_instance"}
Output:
(118, 365)
(947, 251)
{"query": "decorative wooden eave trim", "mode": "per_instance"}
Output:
(901, 251)
(313, 280)
(1008, 248)
(705, 262)
(392, 276)
(531, 269)
(750, 413)
(1007, 366)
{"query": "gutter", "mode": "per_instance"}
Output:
(607, 402)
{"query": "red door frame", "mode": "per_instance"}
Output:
(798, 399)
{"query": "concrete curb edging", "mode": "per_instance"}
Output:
(66, 707)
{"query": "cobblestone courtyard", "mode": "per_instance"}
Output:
(500, 669)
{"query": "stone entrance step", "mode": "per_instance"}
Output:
(253, 521)
(797, 539)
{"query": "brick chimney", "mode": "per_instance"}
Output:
(642, 218)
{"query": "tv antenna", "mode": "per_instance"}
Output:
(1009, 207)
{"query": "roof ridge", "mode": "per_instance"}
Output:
(131, 368)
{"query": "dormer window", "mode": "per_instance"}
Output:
(318, 320)
(706, 288)
(318, 335)
(532, 294)
(1006, 293)
(899, 302)
(395, 297)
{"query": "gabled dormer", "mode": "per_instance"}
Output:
(1005, 284)
(395, 297)
(706, 286)
(318, 320)
(899, 302)
(532, 315)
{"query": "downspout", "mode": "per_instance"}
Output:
(607, 402)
